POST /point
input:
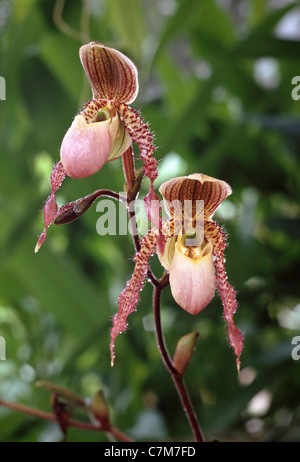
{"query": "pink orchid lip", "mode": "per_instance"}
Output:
(192, 278)
(96, 136)
(85, 147)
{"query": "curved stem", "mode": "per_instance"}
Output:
(176, 376)
(61, 24)
(158, 329)
(72, 423)
(85, 21)
(120, 435)
(135, 235)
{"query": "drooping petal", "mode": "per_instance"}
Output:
(214, 234)
(112, 75)
(140, 134)
(195, 187)
(192, 279)
(130, 295)
(50, 209)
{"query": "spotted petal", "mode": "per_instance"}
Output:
(215, 236)
(141, 135)
(112, 75)
(130, 295)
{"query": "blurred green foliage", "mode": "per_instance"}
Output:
(215, 86)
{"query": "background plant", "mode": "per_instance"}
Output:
(215, 80)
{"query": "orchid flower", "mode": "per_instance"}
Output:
(195, 271)
(106, 128)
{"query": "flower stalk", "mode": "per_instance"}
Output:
(176, 376)
(113, 431)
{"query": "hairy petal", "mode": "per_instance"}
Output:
(214, 234)
(50, 209)
(112, 75)
(130, 295)
(140, 134)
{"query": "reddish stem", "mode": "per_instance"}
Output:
(72, 423)
(128, 168)
(176, 376)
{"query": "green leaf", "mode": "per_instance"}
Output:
(60, 286)
(61, 56)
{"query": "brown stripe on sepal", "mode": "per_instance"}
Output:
(112, 75)
(192, 188)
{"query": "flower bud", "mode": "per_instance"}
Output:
(99, 408)
(184, 351)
